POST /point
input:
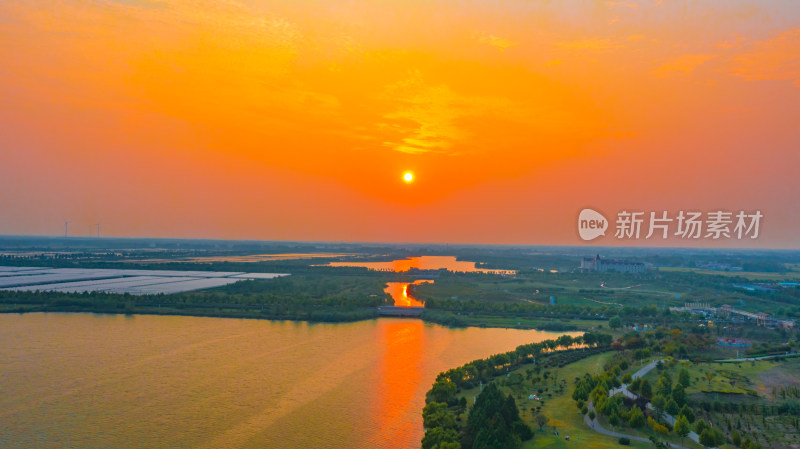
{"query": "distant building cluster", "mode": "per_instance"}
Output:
(733, 342)
(616, 265)
(766, 287)
(729, 312)
(718, 266)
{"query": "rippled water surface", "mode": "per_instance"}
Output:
(423, 263)
(98, 381)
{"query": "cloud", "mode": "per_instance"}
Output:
(425, 117)
(498, 42)
(727, 45)
(435, 118)
(594, 45)
(615, 4)
(684, 64)
(149, 4)
(773, 59)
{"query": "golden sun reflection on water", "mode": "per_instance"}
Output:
(449, 263)
(98, 381)
(403, 297)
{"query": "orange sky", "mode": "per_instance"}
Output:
(296, 120)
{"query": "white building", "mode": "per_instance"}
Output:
(604, 265)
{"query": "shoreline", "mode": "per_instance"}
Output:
(364, 315)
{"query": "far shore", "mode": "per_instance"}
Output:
(350, 316)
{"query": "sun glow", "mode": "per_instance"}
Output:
(316, 105)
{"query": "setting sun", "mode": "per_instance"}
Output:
(315, 105)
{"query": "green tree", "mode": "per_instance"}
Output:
(443, 391)
(711, 437)
(688, 413)
(494, 422)
(541, 420)
(615, 322)
(683, 378)
(435, 414)
(682, 427)
(700, 426)
(645, 390)
(679, 395)
(438, 436)
(448, 445)
(636, 385)
(614, 420)
(626, 379)
(672, 407)
(659, 403)
(664, 386)
(637, 418)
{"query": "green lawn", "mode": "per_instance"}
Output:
(741, 382)
(727, 377)
(559, 407)
(756, 276)
(567, 289)
(563, 413)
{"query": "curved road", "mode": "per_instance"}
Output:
(595, 425)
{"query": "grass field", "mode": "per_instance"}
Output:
(558, 406)
(761, 385)
(745, 274)
(731, 377)
(566, 288)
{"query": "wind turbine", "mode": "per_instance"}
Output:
(66, 228)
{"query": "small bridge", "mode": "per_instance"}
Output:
(415, 312)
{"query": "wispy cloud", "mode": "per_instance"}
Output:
(616, 4)
(425, 117)
(149, 4)
(498, 42)
(733, 43)
(683, 64)
(773, 59)
(593, 45)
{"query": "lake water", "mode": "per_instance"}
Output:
(423, 263)
(403, 295)
(99, 381)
